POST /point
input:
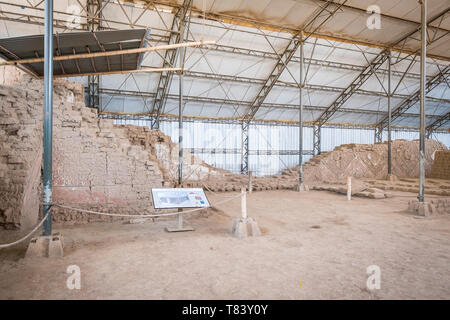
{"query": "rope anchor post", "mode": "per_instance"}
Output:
(244, 227)
(349, 188)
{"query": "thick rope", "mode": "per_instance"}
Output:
(139, 215)
(6, 245)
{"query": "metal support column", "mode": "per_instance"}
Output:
(389, 93)
(300, 118)
(423, 62)
(48, 115)
(93, 24)
(180, 131)
(378, 134)
(181, 18)
(245, 145)
(180, 227)
(316, 139)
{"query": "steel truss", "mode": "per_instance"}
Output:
(167, 34)
(284, 84)
(329, 9)
(405, 105)
(251, 152)
(271, 123)
(94, 10)
(219, 101)
(158, 37)
(437, 124)
(165, 79)
(370, 70)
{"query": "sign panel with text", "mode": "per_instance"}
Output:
(169, 198)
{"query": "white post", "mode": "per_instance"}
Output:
(250, 187)
(349, 188)
(243, 204)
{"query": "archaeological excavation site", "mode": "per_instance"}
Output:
(224, 150)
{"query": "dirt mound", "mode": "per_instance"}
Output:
(368, 161)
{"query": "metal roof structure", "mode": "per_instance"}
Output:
(253, 69)
(78, 43)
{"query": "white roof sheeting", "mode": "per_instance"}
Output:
(216, 95)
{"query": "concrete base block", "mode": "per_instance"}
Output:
(178, 229)
(243, 228)
(46, 246)
(423, 209)
(391, 177)
(302, 187)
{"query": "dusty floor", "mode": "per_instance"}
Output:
(315, 245)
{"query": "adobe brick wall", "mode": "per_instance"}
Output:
(441, 165)
(93, 161)
(96, 165)
(10, 74)
(369, 161)
(20, 156)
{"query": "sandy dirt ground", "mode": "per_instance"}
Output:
(315, 245)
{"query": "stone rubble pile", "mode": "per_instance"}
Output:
(441, 165)
(369, 161)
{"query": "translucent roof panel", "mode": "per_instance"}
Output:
(247, 60)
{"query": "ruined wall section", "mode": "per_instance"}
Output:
(20, 156)
(95, 165)
(369, 161)
(441, 165)
(163, 151)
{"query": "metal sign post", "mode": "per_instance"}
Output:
(180, 227)
(48, 116)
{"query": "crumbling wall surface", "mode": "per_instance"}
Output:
(369, 161)
(166, 154)
(94, 163)
(10, 75)
(20, 155)
(441, 165)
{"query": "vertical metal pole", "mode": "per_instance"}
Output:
(94, 11)
(389, 116)
(180, 131)
(243, 204)
(300, 119)
(48, 115)
(423, 62)
(245, 146)
(349, 188)
(180, 144)
(180, 126)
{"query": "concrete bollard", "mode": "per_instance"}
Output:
(250, 187)
(46, 246)
(243, 204)
(349, 188)
(244, 226)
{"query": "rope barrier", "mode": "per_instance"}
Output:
(6, 245)
(139, 215)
